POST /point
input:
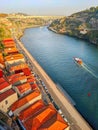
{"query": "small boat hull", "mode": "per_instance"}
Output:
(78, 61)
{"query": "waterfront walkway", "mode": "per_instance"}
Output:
(76, 121)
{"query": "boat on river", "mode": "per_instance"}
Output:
(78, 61)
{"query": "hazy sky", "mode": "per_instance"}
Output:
(45, 7)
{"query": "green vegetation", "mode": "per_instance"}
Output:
(4, 33)
(1, 33)
(93, 35)
(18, 22)
(7, 24)
(1, 46)
(83, 25)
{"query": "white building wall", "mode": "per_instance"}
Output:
(6, 103)
(15, 61)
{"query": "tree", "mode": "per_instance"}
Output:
(1, 46)
(92, 9)
(1, 33)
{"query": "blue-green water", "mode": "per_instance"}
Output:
(55, 53)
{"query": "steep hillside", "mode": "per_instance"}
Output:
(18, 25)
(83, 25)
(18, 22)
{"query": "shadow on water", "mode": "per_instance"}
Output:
(66, 94)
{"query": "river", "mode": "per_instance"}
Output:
(55, 52)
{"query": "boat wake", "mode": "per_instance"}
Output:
(83, 65)
(89, 70)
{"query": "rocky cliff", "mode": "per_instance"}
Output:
(82, 25)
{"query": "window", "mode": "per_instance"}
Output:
(6, 102)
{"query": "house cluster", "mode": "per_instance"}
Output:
(20, 95)
(6, 22)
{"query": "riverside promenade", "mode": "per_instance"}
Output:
(76, 121)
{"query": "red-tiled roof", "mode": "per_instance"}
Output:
(1, 73)
(24, 87)
(14, 57)
(30, 79)
(9, 45)
(4, 85)
(21, 78)
(11, 50)
(57, 125)
(8, 40)
(1, 59)
(19, 67)
(16, 77)
(43, 117)
(11, 77)
(34, 122)
(33, 86)
(6, 94)
(25, 100)
(26, 71)
(31, 110)
(2, 80)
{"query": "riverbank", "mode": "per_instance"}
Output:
(23, 29)
(76, 120)
(77, 36)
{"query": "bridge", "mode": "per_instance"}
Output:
(30, 17)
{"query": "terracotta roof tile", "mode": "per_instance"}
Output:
(2, 80)
(30, 78)
(31, 110)
(33, 86)
(6, 94)
(26, 71)
(11, 50)
(16, 77)
(34, 122)
(14, 57)
(24, 100)
(9, 45)
(57, 125)
(48, 119)
(24, 87)
(19, 67)
(43, 117)
(1, 58)
(4, 85)
(55, 121)
(8, 40)
(21, 78)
